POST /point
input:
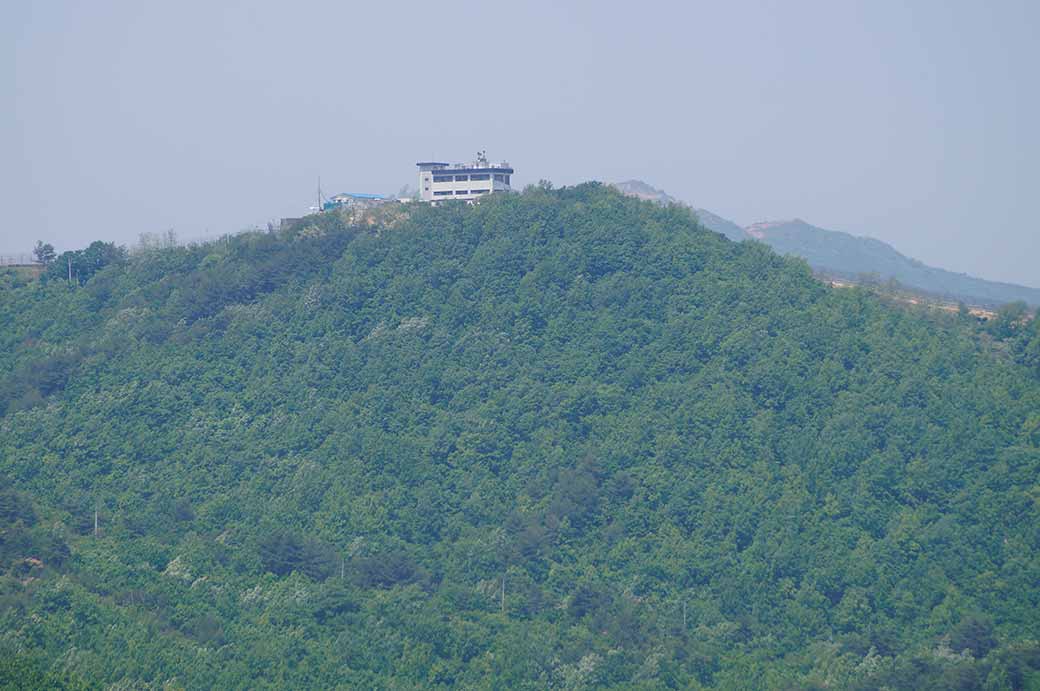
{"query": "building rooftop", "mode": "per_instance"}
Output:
(475, 169)
(474, 165)
(360, 195)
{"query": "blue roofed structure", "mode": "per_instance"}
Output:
(354, 199)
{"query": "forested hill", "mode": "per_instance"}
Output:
(563, 439)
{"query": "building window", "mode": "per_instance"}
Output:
(461, 178)
(442, 178)
(499, 177)
(507, 179)
(482, 176)
(441, 194)
(461, 192)
(479, 191)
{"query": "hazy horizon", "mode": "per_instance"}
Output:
(913, 125)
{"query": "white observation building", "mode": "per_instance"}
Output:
(466, 181)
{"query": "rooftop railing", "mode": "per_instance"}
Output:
(473, 164)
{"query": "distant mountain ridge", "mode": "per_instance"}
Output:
(641, 190)
(849, 255)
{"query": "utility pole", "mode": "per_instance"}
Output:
(96, 512)
(684, 614)
(319, 194)
(69, 257)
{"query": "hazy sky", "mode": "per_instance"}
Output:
(915, 122)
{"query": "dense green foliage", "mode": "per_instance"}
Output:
(558, 439)
(82, 264)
